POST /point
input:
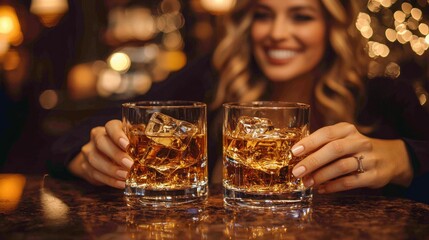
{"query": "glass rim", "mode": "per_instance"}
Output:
(266, 105)
(169, 104)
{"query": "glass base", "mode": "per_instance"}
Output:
(136, 196)
(290, 200)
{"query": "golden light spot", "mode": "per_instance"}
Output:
(11, 187)
(406, 7)
(418, 45)
(386, 3)
(390, 34)
(150, 52)
(363, 20)
(170, 22)
(422, 99)
(392, 70)
(6, 25)
(170, 6)
(424, 28)
(108, 82)
(48, 99)
(119, 62)
(401, 28)
(173, 60)
(141, 82)
(367, 32)
(141, 23)
(416, 13)
(218, 6)
(399, 16)
(9, 25)
(374, 6)
(81, 81)
(406, 35)
(173, 41)
(48, 11)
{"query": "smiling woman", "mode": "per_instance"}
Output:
(307, 51)
(289, 38)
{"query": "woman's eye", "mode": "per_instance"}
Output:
(261, 16)
(302, 18)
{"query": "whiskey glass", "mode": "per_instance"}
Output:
(257, 157)
(168, 144)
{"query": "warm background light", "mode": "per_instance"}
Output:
(119, 62)
(49, 11)
(48, 99)
(217, 6)
(10, 28)
(11, 187)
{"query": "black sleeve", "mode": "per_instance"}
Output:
(192, 83)
(399, 114)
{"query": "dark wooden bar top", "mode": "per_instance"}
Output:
(42, 207)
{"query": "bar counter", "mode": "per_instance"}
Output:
(42, 207)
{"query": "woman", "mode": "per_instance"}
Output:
(305, 51)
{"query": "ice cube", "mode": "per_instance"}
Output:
(252, 127)
(170, 132)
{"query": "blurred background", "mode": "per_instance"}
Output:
(60, 61)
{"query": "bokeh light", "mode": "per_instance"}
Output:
(11, 187)
(172, 60)
(218, 6)
(141, 82)
(49, 11)
(108, 82)
(119, 61)
(48, 99)
(10, 28)
(81, 82)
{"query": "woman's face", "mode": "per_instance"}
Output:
(288, 37)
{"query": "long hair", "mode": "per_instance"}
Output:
(342, 69)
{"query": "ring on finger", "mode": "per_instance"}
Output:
(359, 159)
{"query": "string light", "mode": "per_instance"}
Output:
(407, 25)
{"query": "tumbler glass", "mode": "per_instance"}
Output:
(257, 157)
(168, 143)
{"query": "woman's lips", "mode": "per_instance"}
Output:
(280, 56)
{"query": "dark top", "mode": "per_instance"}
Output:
(391, 107)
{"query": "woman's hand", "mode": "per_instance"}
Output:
(332, 160)
(103, 160)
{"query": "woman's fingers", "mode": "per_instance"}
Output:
(321, 137)
(116, 133)
(103, 164)
(336, 169)
(346, 183)
(331, 151)
(105, 144)
(94, 177)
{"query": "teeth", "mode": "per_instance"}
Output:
(281, 54)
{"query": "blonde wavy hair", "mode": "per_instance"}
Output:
(340, 84)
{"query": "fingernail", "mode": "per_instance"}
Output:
(297, 172)
(120, 184)
(297, 150)
(124, 143)
(122, 174)
(309, 182)
(321, 190)
(127, 163)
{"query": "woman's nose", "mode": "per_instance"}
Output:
(280, 30)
